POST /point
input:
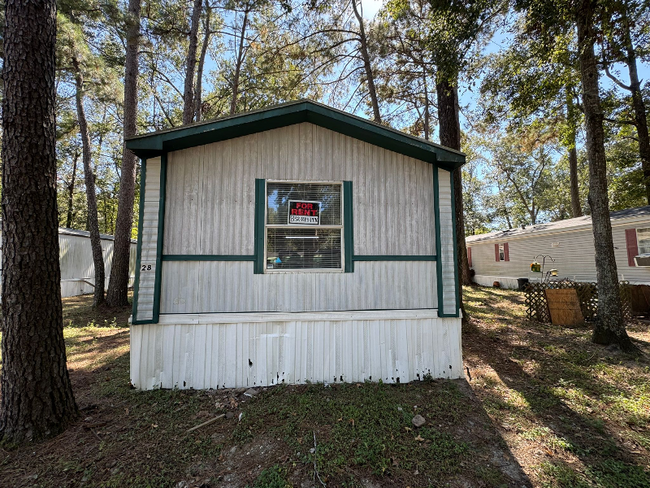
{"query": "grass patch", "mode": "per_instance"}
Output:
(576, 414)
(365, 425)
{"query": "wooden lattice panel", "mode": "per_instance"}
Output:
(537, 304)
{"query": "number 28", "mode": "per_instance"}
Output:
(145, 267)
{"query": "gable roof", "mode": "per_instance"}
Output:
(577, 223)
(156, 143)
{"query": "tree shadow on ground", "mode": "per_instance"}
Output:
(556, 386)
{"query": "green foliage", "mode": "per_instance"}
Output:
(274, 477)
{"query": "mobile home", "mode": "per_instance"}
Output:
(76, 261)
(293, 244)
(568, 245)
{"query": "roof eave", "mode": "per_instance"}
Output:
(152, 145)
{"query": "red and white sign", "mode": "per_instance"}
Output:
(304, 212)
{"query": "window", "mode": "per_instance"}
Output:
(501, 252)
(643, 240)
(304, 226)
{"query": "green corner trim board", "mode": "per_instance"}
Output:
(159, 240)
(439, 282)
(157, 143)
(138, 258)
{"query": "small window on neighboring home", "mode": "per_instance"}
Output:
(304, 226)
(502, 252)
(643, 240)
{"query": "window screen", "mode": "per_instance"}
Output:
(303, 226)
(643, 239)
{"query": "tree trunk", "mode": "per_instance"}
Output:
(240, 60)
(370, 77)
(37, 399)
(447, 95)
(640, 118)
(118, 287)
(73, 181)
(190, 63)
(198, 93)
(609, 327)
(576, 208)
(89, 177)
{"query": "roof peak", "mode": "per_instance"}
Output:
(290, 113)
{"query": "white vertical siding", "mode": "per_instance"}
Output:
(573, 251)
(446, 260)
(231, 351)
(218, 286)
(210, 201)
(76, 262)
(149, 239)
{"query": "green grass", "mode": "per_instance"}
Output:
(274, 477)
(571, 413)
(362, 426)
(581, 413)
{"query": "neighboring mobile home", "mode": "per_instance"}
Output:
(76, 261)
(507, 255)
(293, 244)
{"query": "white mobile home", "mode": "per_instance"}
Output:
(76, 261)
(507, 255)
(297, 243)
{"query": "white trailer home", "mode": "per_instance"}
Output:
(292, 244)
(507, 255)
(76, 261)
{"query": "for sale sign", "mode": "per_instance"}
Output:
(304, 212)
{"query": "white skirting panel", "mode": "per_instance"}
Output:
(504, 281)
(203, 351)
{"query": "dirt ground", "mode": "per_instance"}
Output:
(541, 406)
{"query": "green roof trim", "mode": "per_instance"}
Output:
(156, 143)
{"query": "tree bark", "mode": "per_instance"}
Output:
(367, 66)
(190, 63)
(240, 60)
(448, 119)
(609, 327)
(37, 399)
(576, 208)
(640, 117)
(198, 93)
(91, 198)
(73, 181)
(118, 287)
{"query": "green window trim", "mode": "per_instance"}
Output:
(259, 233)
(348, 227)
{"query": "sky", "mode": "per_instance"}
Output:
(370, 8)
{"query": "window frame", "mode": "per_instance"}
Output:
(502, 252)
(303, 226)
(638, 241)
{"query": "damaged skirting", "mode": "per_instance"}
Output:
(203, 351)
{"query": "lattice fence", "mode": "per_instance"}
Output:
(537, 305)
